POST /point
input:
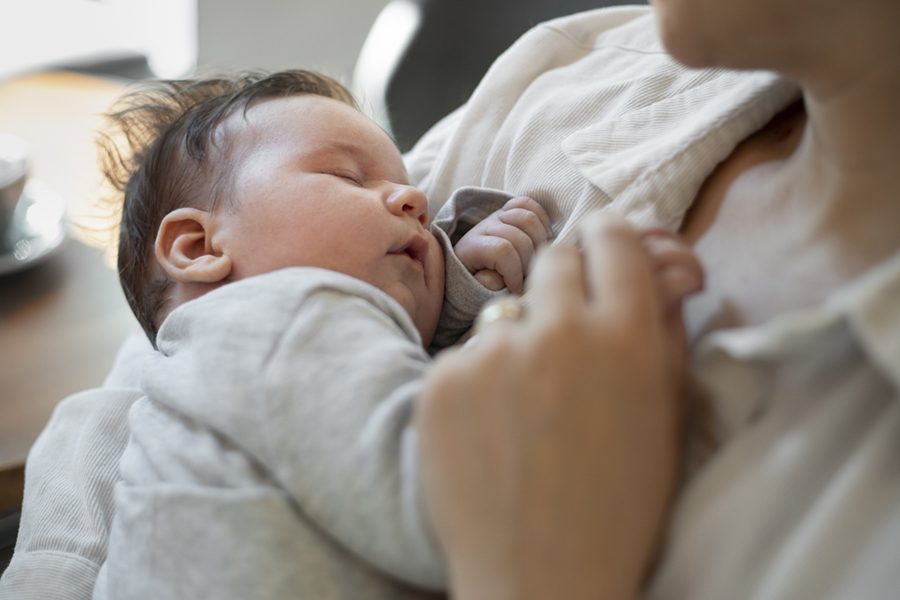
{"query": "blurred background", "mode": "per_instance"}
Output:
(409, 61)
(172, 38)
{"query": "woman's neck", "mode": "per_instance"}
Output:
(813, 199)
(847, 162)
(850, 75)
(853, 129)
(798, 209)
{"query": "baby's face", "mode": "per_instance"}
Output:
(316, 183)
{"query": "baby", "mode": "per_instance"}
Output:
(247, 176)
(275, 254)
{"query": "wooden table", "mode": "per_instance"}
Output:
(62, 321)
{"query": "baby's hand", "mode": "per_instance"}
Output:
(499, 249)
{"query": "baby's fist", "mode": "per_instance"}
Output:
(499, 249)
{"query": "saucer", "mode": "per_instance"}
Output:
(36, 230)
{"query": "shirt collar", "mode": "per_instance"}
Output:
(872, 308)
(653, 159)
(736, 365)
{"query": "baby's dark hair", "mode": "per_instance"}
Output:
(161, 155)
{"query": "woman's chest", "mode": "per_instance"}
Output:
(755, 269)
(761, 250)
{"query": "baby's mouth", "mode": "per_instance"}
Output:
(416, 249)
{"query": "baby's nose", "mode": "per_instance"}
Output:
(407, 200)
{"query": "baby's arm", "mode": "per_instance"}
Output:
(498, 250)
(465, 294)
(278, 417)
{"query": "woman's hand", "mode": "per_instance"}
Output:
(550, 446)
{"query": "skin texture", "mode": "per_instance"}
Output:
(819, 182)
(313, 183)
(499, 249)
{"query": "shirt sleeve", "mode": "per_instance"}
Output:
(464, 296)
(283, 403)
(68, 501)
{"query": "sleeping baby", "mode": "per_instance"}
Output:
(292, 286)
(275, 254)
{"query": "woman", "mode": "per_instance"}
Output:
(794, 345)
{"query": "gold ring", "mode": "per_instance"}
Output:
(504, 309)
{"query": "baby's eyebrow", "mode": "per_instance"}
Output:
(340, 147)
(327, 152)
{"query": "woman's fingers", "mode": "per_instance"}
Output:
(557, 435)
(556, 282)
(619, 271)
(677, 267)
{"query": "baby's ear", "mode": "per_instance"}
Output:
(184, 249)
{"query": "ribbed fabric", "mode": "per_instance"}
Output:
(273, 455)
(49, 575)
(71, 471)
(464, 296)
(583, 122)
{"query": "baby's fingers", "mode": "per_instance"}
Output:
(530, 205)
(529, 216)
(521, 242)
(503, 257)
(490, 279)
(527, 223)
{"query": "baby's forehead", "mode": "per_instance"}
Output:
(305, 116)
(305, 124)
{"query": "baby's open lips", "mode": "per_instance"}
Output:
(415, 248)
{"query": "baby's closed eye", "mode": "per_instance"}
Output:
(347, 176)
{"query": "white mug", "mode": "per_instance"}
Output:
(13, 174)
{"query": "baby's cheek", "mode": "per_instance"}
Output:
(435, 291)
(438, 252)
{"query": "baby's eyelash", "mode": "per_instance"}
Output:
(348, 177)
